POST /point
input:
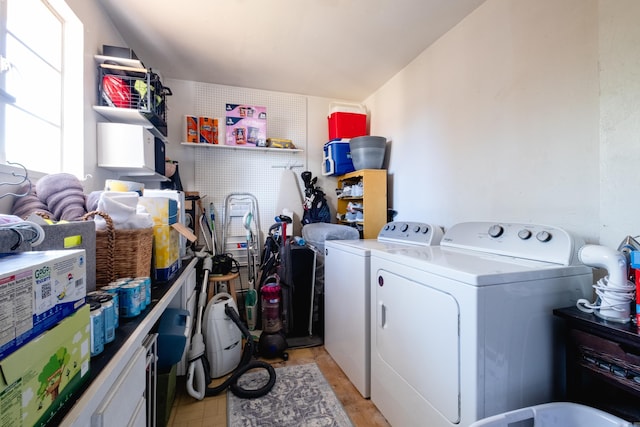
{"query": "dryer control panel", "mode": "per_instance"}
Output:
(416, 233)
(529, 241)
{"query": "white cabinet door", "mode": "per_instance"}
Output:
(140, 415)
(120, 405)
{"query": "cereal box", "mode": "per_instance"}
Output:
(246, 125)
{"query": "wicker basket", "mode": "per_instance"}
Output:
(121, 253)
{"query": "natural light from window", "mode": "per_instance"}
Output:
(43, 47)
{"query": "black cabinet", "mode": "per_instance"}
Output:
(603, 363)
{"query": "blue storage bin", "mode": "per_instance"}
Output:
(337, 158)
(172, 337)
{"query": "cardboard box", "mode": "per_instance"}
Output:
(40, 377)
(191, 129)
(38, 290)
(118, 52)
(163, 210)
(165, 252)
(246, 125)
(208, 130)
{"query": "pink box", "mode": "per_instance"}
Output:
(246, 125)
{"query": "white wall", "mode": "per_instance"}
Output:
(619, 63)
(525, 111)
(97, 31)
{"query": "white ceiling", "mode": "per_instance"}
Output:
(344, 49)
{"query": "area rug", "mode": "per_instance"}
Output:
(301, 396)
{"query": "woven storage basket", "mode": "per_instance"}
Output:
(121, 253)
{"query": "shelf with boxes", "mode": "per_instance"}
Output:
(363, 200)
(244, 127)
(240, 147)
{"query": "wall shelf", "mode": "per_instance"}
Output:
(129, 116)
(239, 147)
(156, 177)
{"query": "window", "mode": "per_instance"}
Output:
(41, 86)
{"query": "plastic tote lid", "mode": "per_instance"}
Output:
(346, 107)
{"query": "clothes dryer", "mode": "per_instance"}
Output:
(465, 330)
(347, 294)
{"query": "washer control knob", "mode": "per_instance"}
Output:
(524, 234)
(386, 227)
(404, 228)
(416, 229)
(496, 230)
(393, 227)
(543, 236)
(425, 230)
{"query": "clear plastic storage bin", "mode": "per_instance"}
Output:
(557, 414)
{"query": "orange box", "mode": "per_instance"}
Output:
(191, 129)
(215, 131)
(208, 128)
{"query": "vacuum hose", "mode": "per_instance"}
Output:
(245, 364)
(198, 376)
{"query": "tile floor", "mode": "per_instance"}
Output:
(212, 411)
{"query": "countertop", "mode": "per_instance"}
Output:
(104, 368)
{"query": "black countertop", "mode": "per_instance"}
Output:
(125, 329)
(624, 332)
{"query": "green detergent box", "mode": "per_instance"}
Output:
(39, 378)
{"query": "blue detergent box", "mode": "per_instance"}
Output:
(337, 158)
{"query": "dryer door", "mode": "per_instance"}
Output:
(417, 343)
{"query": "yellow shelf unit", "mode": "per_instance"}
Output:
(373, 199)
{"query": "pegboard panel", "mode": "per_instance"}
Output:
(222, 171)
(286, 113)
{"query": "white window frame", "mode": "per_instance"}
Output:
(72, 120)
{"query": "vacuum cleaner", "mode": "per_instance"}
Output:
(222, 337)
(222, 316)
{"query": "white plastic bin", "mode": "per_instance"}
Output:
(557, 414)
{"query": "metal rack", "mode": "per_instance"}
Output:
(135, 88)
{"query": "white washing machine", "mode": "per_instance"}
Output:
(347, 294)
(465, 330)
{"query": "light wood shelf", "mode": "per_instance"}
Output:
(374, 199)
